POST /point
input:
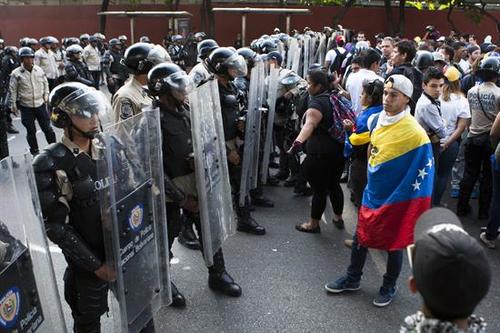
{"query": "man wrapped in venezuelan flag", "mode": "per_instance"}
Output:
(399, 189)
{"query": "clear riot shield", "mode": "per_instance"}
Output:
(271, 102)
(134, 218)
(296, 60)
(29, 300)
(292, 48)
(249, 164)
(307, 49)
(212, 175)
(312, 51)
(321, 51)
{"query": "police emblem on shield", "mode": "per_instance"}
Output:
(9, 307)
(136, 216)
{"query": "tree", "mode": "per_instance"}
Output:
(475, 10)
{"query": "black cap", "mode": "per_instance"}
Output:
(450, 267)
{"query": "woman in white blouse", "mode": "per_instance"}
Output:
(456, 115)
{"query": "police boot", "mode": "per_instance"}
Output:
(178, 300)
(220, 280)
(247, 224)
(187, 237)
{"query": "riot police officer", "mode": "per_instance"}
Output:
(170, 84)
(116, 73)
(8, 64)
(199, 73)
(75, 68)
(243, 84)
(226, 65)
(66, 176)
(139, 58)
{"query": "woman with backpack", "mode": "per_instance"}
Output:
(325, 160)
(359, 136)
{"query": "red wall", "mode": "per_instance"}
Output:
(73, 20)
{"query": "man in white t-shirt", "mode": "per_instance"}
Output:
(338, 51)
(354, 84)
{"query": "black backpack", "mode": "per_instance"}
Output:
(337, 62)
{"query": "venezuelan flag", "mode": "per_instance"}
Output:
(400, 184)
(361, 133)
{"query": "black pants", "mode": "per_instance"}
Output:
(87, 296)
(28, 117)
(477, 166)
(96, 75)
(288, 163)
(358, 173)
(323, 172)
(174, 221)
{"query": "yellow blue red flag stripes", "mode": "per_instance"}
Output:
(400, 184)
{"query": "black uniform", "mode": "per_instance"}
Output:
(177, 149)
(114, 69)
(77, 71)
(7, 65)
(81, 239)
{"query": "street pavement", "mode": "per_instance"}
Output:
(283, 275)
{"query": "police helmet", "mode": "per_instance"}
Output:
(200, 35)
(100, 36)
(24, 41)
(114, 42)
(122, 38)
(489, 68)
(73, 50)
(176, 38)
(254, 45)
(53, 40)
(93, 39)
(46, 40)
(169, 78)
(11, 50)
(424, 60)
(77, 99)
(226, 62)
(283, 37)
(26, 52)
(276, 30)
(2, 41)
(275, 55)
(71, 41)
(205, 47)
(139, 58)
(84, 37)
(32, 42)
(267, 46)
(250, 56)
(144, 39)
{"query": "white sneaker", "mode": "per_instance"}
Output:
(489, 243)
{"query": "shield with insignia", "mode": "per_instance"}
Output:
(132, 199)
(29, 299)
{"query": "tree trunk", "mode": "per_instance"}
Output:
(102, 18)
(450, 20)
(210, 19)
(401, 28)
(390, 17)
(282, 17)
(343, 11)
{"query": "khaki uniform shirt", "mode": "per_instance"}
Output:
(129, 100)
(47, 61)
(30, 89)
(92, 58)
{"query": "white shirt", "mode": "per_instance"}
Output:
(464, 64)
(456, 107)
(46, 61)
(354, 86)
(331, 55)
(92, 58)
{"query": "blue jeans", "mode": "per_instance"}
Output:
(358, 259)
(446, 160)
(494, 222)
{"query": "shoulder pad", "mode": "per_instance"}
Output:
(44, 162)
(57, 150)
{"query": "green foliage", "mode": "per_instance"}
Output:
(432, 4)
